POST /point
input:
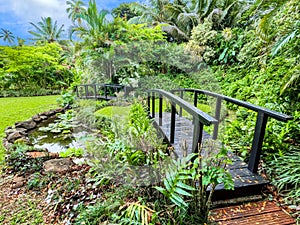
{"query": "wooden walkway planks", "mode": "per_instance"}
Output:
(265, 212)
(246, 183)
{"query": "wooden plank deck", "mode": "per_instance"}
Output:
(265, 212)
(246, 183)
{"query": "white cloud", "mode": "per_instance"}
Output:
(33, 10)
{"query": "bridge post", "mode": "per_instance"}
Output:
(197, 135)
(195, 99)
(173, 118)
(148, 103)
(217, 117)
(105, 91)
(180, 109)
(259, 134)
(86, 91)
(160, 109)
(95, 91)
(153, 105)
(77, 91)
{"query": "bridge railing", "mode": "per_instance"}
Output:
(200, 118)
(99, 91)
(261, 121)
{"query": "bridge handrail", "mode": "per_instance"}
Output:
(200, 118)
(94, 86)
(270, 113)
(195, 112)
(261, 121)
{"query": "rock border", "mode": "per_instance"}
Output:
(19, 131)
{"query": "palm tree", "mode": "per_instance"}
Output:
(7, 36)
(95, 27)
(154, 12)
(76, 7)
(267, 8)
(46, 30)
(188, 14)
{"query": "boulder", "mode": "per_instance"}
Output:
(18, 182)
(14, 136)
(6, 144)
(9, 131)
(37, 118)
(58, 165)
(49, 113)
(43, 117)
(42, 154)
(28, 124)
(59, 110)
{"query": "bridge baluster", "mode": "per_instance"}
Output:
(197, 135)
(259, 134)
(153, 105)
(217, 117)
(195, 99)
(173, 118)
(148, 103)
(160, 109)
(180, 109)
(86, 91)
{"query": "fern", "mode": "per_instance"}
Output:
(174, 183)
(191, 178)
(136, 213)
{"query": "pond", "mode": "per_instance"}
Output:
(59, 133)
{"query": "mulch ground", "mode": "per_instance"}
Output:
(264, 212)
(18, 205)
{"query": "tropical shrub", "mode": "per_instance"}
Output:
(33, 67)
(190, 181)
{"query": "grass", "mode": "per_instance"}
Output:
(20, 109)
(114, 111)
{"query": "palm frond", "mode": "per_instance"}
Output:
(285, 40)
(293, 80)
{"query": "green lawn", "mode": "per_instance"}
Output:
(20, 109)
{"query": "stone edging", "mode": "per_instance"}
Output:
(20, 130)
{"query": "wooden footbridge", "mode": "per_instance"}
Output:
(183, 124)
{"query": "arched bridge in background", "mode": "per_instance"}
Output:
(178, 117)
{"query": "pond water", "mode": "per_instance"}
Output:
(56, 142)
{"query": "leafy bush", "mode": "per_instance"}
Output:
(286, 174)
(189, 179)
(18, 162)
(30, 67)
(72, 152)
(66, 100)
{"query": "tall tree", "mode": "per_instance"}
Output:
(75, 9)
(152, 12)
(124, 11)
(95, 27)
(7, 36)
(188, 14)
(46, 30)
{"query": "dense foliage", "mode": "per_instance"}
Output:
(248, 50)
(33, 70)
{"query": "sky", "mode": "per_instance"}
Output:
(16, 15)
